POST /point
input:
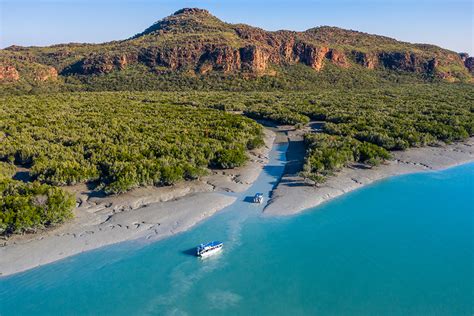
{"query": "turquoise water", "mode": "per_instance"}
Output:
(403, 246)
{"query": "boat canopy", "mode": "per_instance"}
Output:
(210, 244)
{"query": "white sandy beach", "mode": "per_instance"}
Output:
(293, 195)
(151, 213)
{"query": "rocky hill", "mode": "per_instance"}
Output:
(194, 42)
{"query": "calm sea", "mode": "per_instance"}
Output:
(403, 246)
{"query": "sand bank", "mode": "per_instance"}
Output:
(151, 213)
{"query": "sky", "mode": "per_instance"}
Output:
(446, 23)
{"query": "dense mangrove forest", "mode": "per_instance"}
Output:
(116, 141)
(26, 207)
(120, 140)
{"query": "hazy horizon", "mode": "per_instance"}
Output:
(448, 24)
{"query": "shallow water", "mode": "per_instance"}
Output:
(402, 246)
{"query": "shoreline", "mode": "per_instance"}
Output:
(154, 213)
(293, 195)
(151, 213)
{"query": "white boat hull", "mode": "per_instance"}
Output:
(210, 252)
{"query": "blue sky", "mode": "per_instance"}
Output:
(447, 23)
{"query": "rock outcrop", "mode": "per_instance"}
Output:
(8, 73)
(312, 55)
(100, 64)
(253, 59)
(193, 40)
(368, 60)
(408, 61)
(225, 59)
(338, 58)
(205, 58)
(399, 61)
(45, 74)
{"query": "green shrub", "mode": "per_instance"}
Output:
(171, 174)
(328, 153)
(255, 142)
(26, 207)
(371, 152)
(7, 170)
(229, 158)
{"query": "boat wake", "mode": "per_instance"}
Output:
(186, 275)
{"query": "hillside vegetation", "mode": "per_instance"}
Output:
(193, 49)
(294, 77)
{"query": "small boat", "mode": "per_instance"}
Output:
(206, 250)
(258, 198)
